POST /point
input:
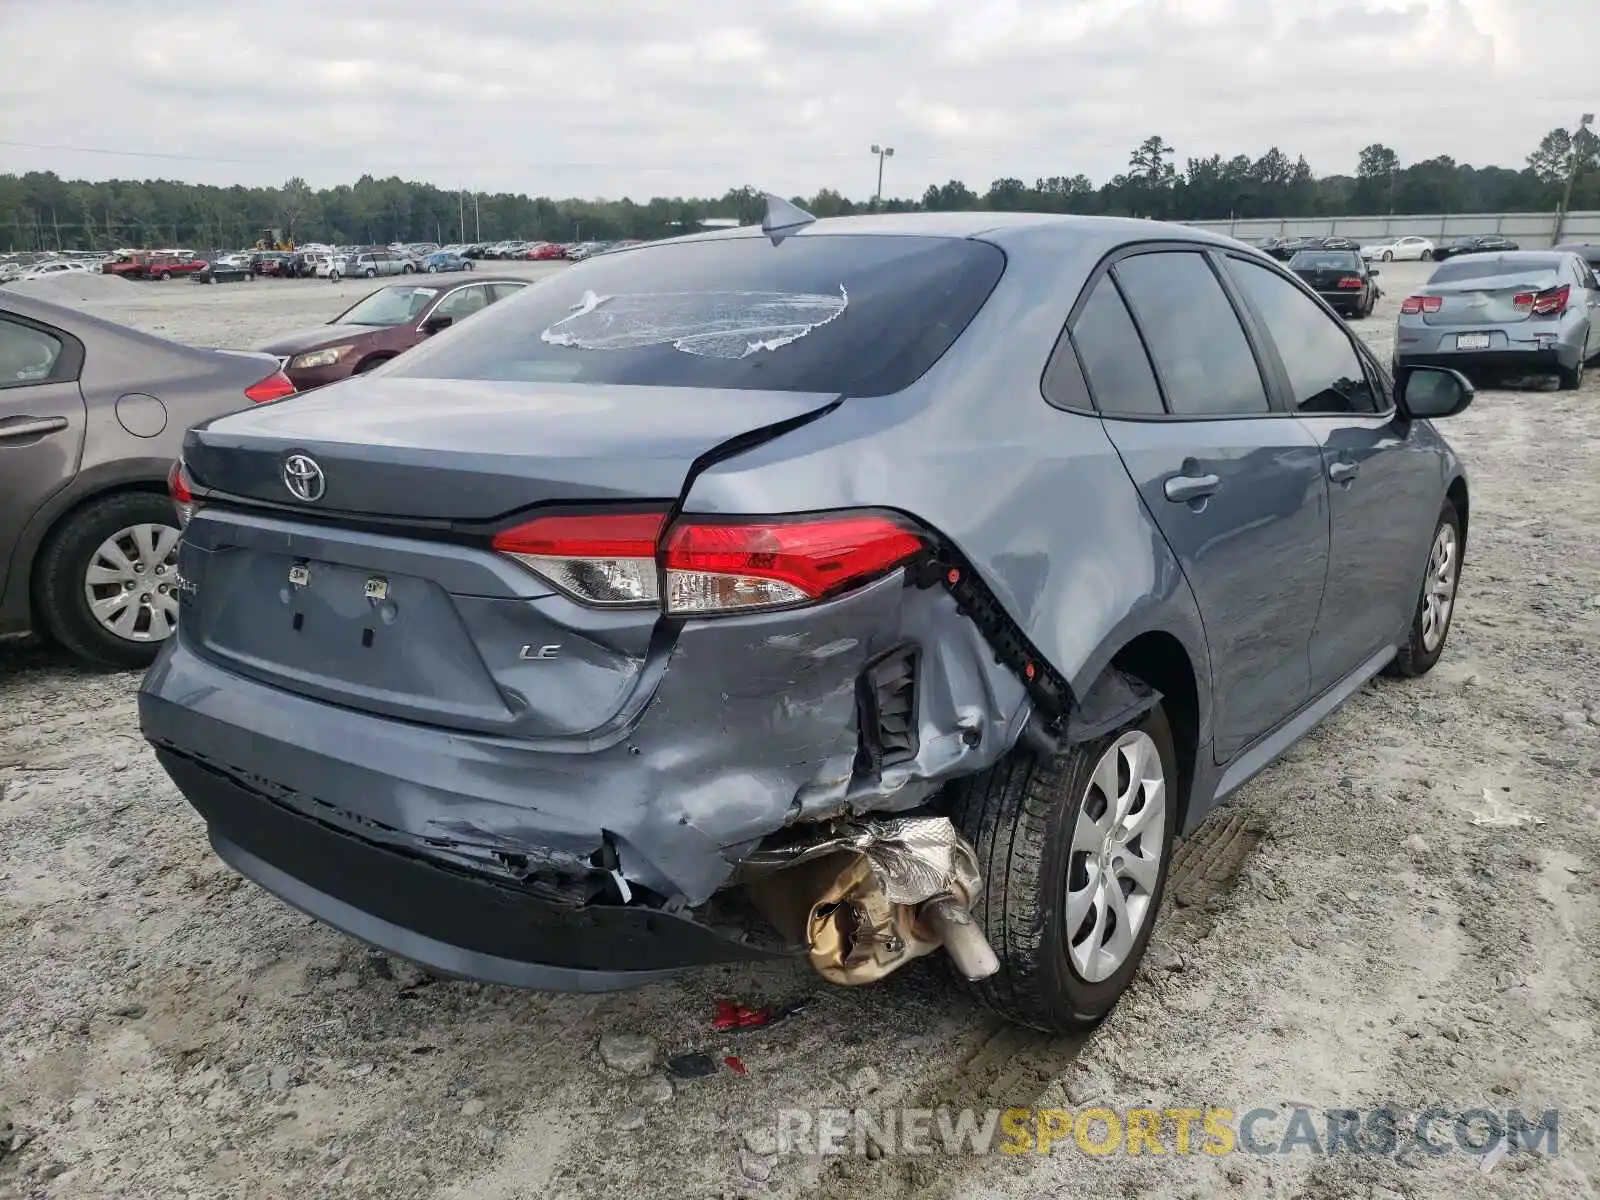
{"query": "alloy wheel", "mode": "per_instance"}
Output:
(1439, 592)
(1115, 860)
(131, 583)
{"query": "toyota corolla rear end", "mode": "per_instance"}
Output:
(1512, 312)
(457, 673)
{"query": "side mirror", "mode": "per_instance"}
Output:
(434, 324)
(1427, 393)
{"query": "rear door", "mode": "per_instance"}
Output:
(1383, 492)
(42, 418)
(1235, 485)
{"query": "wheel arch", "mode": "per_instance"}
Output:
(1160, 660)
(1456, 493)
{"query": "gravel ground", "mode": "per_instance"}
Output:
(1343, 935)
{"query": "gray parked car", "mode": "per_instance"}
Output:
(1525, 311)
(369, 264)
(92, 417)
(846, 589)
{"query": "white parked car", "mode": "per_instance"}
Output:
(1406, 249)
(59, 267)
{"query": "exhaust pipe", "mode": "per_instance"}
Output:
(867, 897)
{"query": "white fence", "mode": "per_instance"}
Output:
(1531, 231)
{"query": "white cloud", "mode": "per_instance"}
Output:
(645, 97)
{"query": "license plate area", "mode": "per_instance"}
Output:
(1472, 341)
(389, 642)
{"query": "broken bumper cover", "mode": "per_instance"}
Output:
(446, 920)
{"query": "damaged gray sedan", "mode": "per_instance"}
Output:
(852, 589)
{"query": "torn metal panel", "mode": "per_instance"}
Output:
(1115, 700)
(729, 325)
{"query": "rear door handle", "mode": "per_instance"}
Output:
(1343, 472)
(28, 427)
(1182, 488)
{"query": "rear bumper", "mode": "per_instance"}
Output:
(448, 921)
(1532, 362)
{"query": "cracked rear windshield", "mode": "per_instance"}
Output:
(859, 315)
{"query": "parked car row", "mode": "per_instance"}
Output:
(1400, 249)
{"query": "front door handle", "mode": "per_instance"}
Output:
(1343, 472)
(1182, 488)
(29, 427)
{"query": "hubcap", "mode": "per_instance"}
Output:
(1439, 591)
(131, 583)
(1116, 854)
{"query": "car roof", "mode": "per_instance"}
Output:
(1003, 228)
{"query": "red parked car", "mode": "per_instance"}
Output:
(388, 322)
(547, 250)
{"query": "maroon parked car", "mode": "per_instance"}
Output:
(386, 323)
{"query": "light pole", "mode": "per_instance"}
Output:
(882, 152)
(477, 220)
(461, 212)
(1572, 174)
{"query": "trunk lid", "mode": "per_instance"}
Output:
(1326, 279)
(432, 629)
(1487, 300)
(455, 451)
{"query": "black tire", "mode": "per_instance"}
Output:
(1571, 380)
(467, 265)
(165, 275)
(1019, 815)
(1388, 256)
(433, 268)
(369, 364)
(1427, 256)
(63, 563)
(1414, 657)
(408, 269)
(371, 272)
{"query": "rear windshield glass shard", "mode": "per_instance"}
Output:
(728, 325)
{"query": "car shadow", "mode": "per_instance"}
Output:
(29, 657)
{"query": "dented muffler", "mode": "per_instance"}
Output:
(868, 896)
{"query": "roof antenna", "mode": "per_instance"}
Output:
(782, 218)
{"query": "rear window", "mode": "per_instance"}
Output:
(1487, 266)
(1325, 260)
(859, 315)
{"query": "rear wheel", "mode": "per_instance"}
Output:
(467, 266)
(1571, 380)
(107, 580)
(1074, 854)
(371, 272)
(1388, 256)
(166, 275)
(1430, 625)
(1427, 256)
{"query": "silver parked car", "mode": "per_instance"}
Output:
(1521, 311)
(369, 264)
(910, 581)
(92, 416)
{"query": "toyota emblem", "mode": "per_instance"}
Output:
(303, 477)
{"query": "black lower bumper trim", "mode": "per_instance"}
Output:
(441, 918)
(1527, 362)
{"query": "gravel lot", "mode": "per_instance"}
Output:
(1342, 935)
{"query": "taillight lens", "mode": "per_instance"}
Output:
(1549, 303)
(182, 492)
(599, 558)
(1350, 281)
(274, 387)
(1421, 304)
(710, 567)
(740, 566)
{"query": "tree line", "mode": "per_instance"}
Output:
(38, 210)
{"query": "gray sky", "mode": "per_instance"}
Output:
(664, 97)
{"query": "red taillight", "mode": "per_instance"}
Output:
(182, 494)
(599, 558)
(1412, 305)
(740, 566)
(1550, 303)
(274, 387)
(710, 567)
(1350, 281)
